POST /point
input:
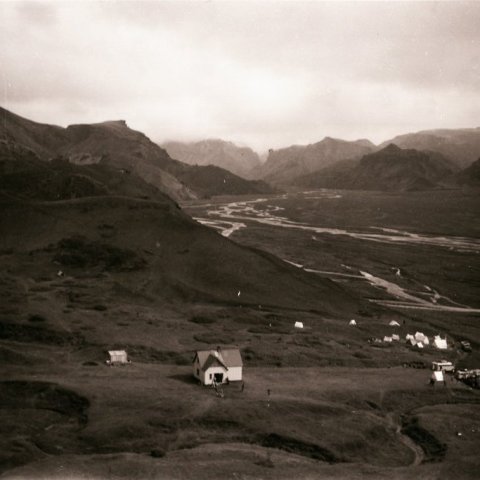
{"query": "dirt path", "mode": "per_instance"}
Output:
(418, 452)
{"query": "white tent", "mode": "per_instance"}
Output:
(438, 377)
(408, 336)
(394, 323)
(419, 337)
(298, 324)
(387, 339)
(426, 341)
(352, 322)
(420, 345)
(396, 337)
(440, 343)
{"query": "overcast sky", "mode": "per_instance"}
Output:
(264, 74)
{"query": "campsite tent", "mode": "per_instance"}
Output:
(437, 377)
(387, 339)
(298, 324)
(394, 323)
(396, 337)
(419, 337)
(440, 343)
(352, 322)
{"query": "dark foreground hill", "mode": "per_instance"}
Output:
(391, 168)
(238, 160)
(116, 144)
(287, 163)
(461, 146)
(45, 203)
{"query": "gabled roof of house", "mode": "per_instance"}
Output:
(228, 357)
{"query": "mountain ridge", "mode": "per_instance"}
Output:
(391, 168)
(115, 143)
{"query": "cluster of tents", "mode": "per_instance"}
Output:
(420, 340)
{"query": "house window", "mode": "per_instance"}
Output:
(210, 376)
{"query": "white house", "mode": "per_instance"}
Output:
(221, 365)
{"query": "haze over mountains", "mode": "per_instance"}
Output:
(429, 160)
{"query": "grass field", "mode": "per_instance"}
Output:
(339, 406)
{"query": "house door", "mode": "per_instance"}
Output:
(218, 377)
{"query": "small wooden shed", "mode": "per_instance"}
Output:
(117, 357)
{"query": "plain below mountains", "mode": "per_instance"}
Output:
(238, 160)
(391, 168)
(115, 144)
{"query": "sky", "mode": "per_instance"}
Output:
(267, 74)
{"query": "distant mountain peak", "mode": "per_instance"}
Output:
(391, 147)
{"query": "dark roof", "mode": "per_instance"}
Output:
(229, 357)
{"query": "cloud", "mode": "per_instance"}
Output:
(262, 73)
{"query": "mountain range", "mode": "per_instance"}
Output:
(114, 143)
(284, 164)
(425, 160)
(390, 168)
(238, 160)
(461, 146)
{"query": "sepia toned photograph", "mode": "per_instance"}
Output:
(239, 240)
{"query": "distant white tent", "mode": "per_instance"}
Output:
(352, 322)
(440, 343)
(387, 339)
(426, 341)
(394, 323)
(298, 324)
(437, 377)
(409, 336)
(396, 337)
(419, 344)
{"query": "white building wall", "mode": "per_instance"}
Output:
(234, 374)
(208, 376)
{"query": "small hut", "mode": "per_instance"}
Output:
(117, 357)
